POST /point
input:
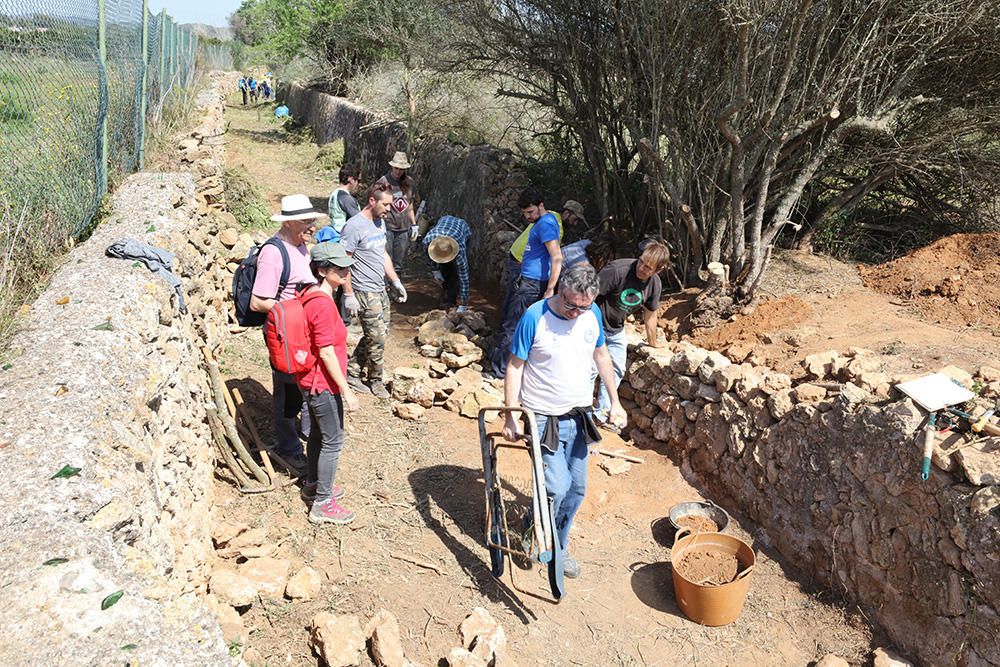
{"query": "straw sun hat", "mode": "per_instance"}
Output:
(295, 207)
(400, 161)
(443, 249)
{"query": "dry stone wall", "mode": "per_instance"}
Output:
(477, 183)
(829, 474)
(105, 376)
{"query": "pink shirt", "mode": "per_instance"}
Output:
(265, 285)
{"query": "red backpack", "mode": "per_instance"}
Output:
(289, 345)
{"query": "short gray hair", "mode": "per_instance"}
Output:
(580, 278)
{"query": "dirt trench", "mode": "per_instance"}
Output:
(416, 549)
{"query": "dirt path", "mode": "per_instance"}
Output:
(417, 489)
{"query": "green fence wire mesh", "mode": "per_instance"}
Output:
(75, 83)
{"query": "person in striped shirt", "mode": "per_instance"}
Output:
(447, 243)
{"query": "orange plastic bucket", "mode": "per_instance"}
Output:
(706, 604)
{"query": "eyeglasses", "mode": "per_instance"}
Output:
(573, 308)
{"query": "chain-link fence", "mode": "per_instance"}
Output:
(78, 78)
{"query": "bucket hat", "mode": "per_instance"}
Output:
(442, 250)
(576, 208)
(331, 252)
(400, 161)
(295, 207)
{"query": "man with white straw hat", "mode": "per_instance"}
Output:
(282, 265)
(446, 244)
(401, 221)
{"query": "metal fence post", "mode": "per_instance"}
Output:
(163, 54)
(145, 83)
(102, 147)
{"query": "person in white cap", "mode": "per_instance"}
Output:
(446, 244)
(401, 220)
(283, 265)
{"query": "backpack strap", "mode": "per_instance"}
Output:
(286, 264)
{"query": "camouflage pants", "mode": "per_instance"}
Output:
(366, 360)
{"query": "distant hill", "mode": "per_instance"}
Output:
(210, 31)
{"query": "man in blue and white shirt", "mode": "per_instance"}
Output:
(446, 245)
(548, 372)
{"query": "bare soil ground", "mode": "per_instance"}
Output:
(416, 547)
(811, 303)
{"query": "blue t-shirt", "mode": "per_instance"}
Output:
(559, 355)
(536, 263)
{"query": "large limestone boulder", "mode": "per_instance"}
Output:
(432, 332)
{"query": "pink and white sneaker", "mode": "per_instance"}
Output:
(330, 512)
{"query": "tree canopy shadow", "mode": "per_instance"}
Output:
(459, 493)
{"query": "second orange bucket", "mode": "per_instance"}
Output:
(712, 605)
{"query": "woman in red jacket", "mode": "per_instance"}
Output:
(324, 386)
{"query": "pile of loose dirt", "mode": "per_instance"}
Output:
(955, 280)
(743, 333)
(698, 524)
(708, 568)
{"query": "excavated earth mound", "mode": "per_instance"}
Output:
(954, 281)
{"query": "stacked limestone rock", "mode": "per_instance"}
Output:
(827, 466)
(485, 194)
(453, 345)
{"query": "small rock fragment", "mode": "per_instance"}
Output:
(460, 657)
(985, 501)
(386, 646)
(269, 575)
(224, 531)
(232, 588)
(832, 660)
(338, 640)
(615, 466)
(808, 393)
(885, 658)
(304, 584)
(410, 411)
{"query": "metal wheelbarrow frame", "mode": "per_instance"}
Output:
(497, 534)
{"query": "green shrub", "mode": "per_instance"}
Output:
(296, 131)
(245, 200)
(331, 155)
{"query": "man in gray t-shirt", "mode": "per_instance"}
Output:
(363, 237)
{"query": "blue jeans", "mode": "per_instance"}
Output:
(617, 348)
(526, 291)
(513, 271)
(565, 474)
(325, 441)
(286, 403)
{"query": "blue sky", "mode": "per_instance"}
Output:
(212, 12)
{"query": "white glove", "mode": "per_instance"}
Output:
(351, 305)
(414, 232)
(463, 309)
(400, 292)
(438, 276)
